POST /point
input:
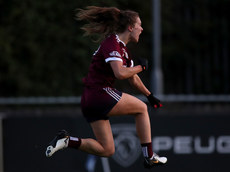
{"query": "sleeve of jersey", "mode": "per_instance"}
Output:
(111, 51)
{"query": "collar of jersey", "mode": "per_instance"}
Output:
(118, 39)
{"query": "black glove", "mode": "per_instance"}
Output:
(156, 103)
(144, 63)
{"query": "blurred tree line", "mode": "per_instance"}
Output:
(43, 51)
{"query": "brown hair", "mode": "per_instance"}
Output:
(104, 21)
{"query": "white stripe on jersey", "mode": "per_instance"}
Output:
(96, 51)
(113, 59)
(112, 93)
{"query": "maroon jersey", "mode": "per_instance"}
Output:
(100, 72)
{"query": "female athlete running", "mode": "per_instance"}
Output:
(100, 100)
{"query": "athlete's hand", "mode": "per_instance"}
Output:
(155, 102)
(144, 63)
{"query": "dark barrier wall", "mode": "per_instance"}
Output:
(191, 143)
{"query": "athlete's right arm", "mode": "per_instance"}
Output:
(122, 72)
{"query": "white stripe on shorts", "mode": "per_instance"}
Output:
(112, 93)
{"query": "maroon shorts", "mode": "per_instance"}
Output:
(96, 103)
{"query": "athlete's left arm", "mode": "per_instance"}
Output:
(137, 83)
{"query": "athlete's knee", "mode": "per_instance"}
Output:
(143, 107)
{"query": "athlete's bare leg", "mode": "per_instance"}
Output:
(130, 105)
(104, 143)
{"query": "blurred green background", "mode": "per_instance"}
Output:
(43, 52)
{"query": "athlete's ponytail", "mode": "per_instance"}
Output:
(106, 20)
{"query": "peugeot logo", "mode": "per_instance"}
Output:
(127, 144)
